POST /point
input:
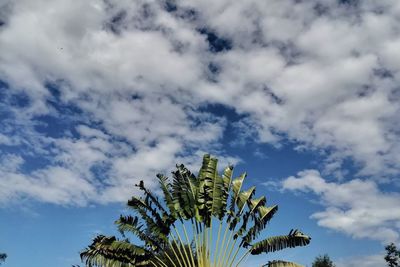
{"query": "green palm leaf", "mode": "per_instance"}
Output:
(132, 225)
(243, 198)
(226, 186)
(166, 188)
(278, 263)
(151, 199)
(110, 252)
(210, 189)
(182, 194)
(236, 187)
(265, 215)
(293, 239)
(154, 223)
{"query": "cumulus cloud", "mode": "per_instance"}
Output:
(126, 83)
(367, 261)
(314, 72)
(54, 184)
(357, 208)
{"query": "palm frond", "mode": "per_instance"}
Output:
(226, 186)
(279, 263)
(294, 239)
(151, 199)
(237, 184)
(265, 215)
(166, 188)
(154, 223)
(110, 252)
(183, 196)
(210, 188)
(132, 224)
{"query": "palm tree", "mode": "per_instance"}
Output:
(180, 232)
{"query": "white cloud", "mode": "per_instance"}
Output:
(5, 140)
(357, 208)
(317, 73)
(320, 64)
(54, 184)
(376, 260)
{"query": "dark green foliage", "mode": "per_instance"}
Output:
(3, 257)
(392, 257)
(323, 261)
(108, 251)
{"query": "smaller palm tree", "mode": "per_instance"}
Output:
(208, 203)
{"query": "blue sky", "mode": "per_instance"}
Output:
(97, 95)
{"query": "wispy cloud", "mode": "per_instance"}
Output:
(357, 208)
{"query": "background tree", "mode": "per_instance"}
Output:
(198, 203)
(323, 261)
(392, 255)
(3, 257)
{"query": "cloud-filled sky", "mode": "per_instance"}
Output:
(96, 95)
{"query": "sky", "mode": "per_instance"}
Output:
(96, 95)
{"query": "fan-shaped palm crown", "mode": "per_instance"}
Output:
(179, 232)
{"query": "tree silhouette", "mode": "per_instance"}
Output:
(3, 257)
(392, 255)
(323, 261)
